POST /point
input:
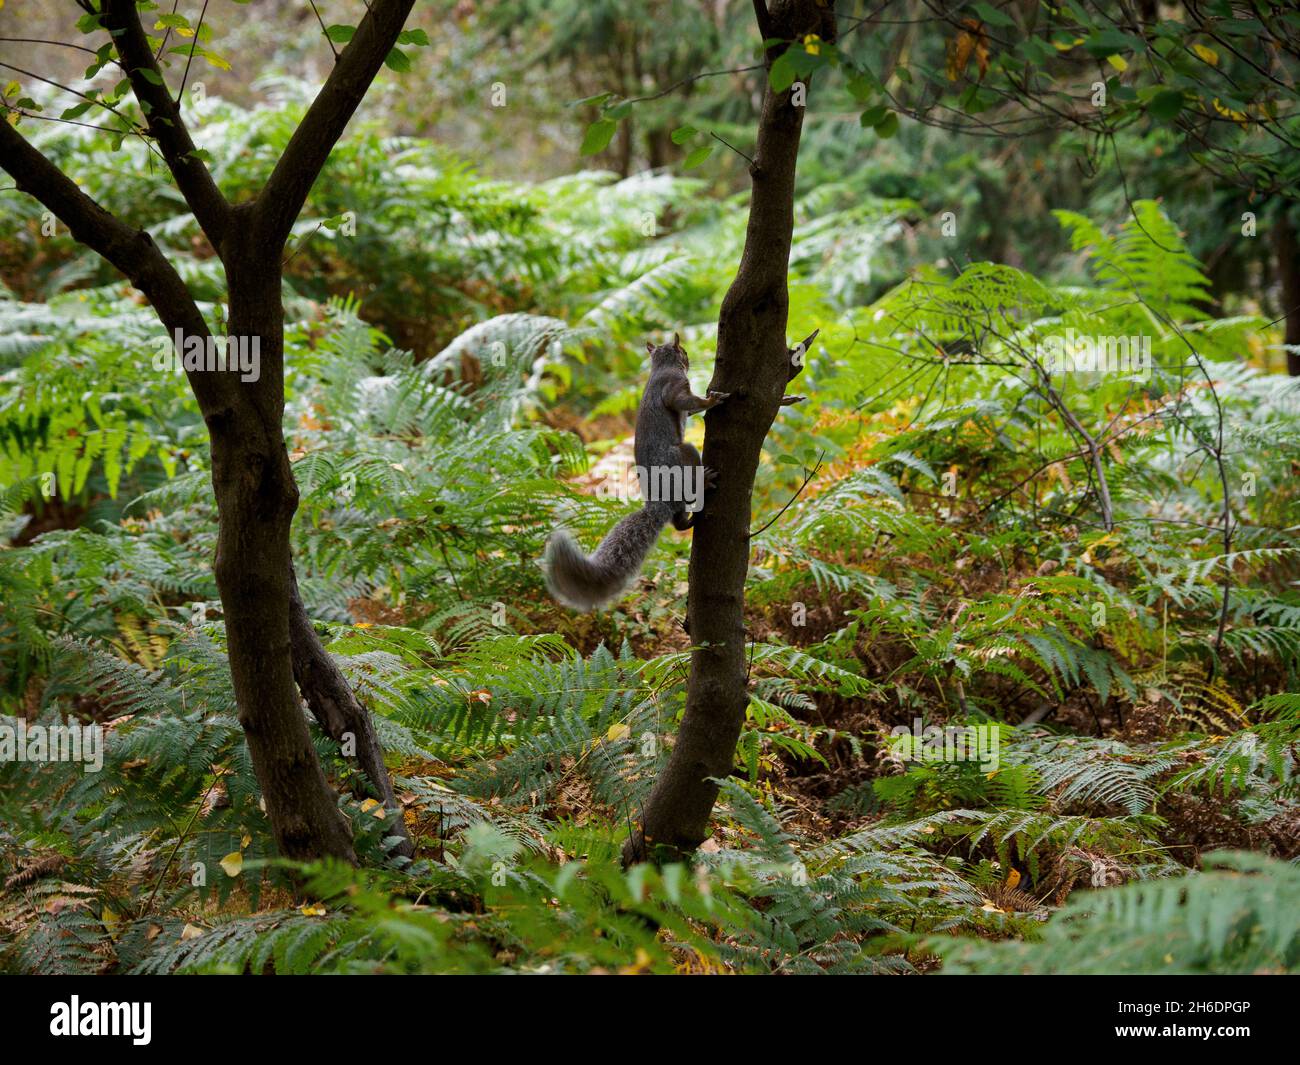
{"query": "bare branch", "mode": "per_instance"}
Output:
(164, 120)
(286, 190)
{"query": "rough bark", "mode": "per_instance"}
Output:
(256, 499)
(337, 708)
(252, 480)
(753, 365)
(1288, 268)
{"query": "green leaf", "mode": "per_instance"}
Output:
(697, 156)
(340, 34)
(1166, 105)
(682, 134)
(150, 75)
(887, 126)
(993, 16)
(861, 87)
(1109, 41)
(598, 136)
(397, 60)
(416, 37)
(782, 73)
(873, 116)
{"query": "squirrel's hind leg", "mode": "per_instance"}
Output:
(683, 518)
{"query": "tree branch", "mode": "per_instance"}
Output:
(164, 120)
(131, 250)
(286, 190)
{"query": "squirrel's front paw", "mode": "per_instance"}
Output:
(710, 477)
(718, 397)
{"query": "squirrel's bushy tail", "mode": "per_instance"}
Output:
(585, 582)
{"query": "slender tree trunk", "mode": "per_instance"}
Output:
(1288, 268)
(658, 146)
(256, 500)
(753, 364)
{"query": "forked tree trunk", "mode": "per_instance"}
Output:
(753, 364)
(254, 487)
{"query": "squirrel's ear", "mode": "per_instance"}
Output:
(677, 341)
(649, 346)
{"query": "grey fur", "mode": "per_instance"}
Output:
(587, 582)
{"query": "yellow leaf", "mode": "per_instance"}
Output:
(989, 907)
(245, 840)
(373, 807)
(1236, 116)
(641, 964)
(1013, 878)
(1118, 62)
(233, 863)
(812, 44)
(1208, 54)
(312, 909)
(191, 931)
(111, 921)
(617, 731)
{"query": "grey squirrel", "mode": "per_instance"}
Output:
(585, 582)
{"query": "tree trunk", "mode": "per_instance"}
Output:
(254, 487)
(1288, 268)
(753, 365)
(256, 500)
(337, 709)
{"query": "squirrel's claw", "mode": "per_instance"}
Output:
(790, 401)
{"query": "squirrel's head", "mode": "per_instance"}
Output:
(671, 354)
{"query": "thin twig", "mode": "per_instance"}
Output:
(808, 476)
